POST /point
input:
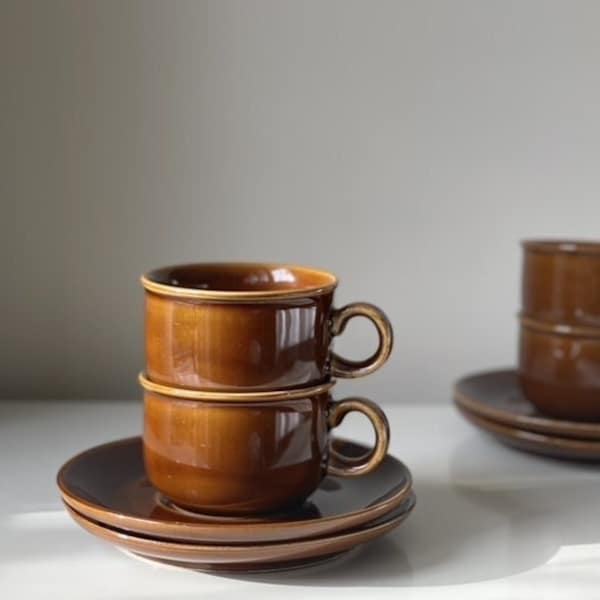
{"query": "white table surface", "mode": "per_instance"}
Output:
(490, 522)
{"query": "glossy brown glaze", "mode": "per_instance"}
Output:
(247, 557)
(536, 443)
(241, 327)
(236, 457)
(561, 282)
(559, 344)
(108, 484)
(560, 373)
(498, 396)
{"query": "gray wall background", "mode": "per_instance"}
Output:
(407, 146)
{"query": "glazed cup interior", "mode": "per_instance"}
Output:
(242, 277)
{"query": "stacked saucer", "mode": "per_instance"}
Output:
(494, 402)
(107, 492)
(237, 468)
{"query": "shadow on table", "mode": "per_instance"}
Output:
(488, 524)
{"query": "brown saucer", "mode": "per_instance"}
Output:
(250, 557)
(497, 396)
(108, 485)
(239, 568)
(537, 443)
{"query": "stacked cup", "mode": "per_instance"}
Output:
(237, 385)
(559, 347)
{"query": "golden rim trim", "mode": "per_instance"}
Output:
(559, 328)
(187, 394)
(165, 289)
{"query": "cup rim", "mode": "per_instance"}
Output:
(264, 396)
(563, 329)
(154, 281)
(565, 246)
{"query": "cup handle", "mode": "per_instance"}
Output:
(344, 367)
(351, 466)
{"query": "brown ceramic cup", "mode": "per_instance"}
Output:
(242, 454)
(561, 282)
(250, 327)
(559, 343)
(560, 370)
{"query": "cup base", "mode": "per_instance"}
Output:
(297, 512)
(562, 401)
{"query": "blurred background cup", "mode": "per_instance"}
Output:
(250, 327)
(559, 342)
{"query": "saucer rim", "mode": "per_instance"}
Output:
(213, 532)
(533, 442)
(239, 568)
(250, 553)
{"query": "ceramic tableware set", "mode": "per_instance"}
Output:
(550, 404)
(237, 469)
